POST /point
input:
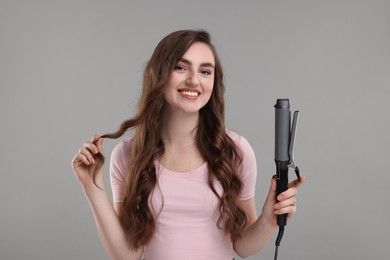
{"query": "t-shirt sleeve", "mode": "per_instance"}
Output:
(118, 170)
(248, 169)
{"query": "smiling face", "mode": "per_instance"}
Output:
(191, 82)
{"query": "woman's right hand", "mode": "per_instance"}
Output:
(88, 163)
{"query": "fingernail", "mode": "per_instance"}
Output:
(280, 197)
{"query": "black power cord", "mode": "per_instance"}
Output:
(278, 240)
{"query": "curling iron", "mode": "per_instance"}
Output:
(284, 155)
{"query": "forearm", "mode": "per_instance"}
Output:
(109, 228)
(254, 238)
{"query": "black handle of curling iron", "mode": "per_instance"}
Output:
(281, 185)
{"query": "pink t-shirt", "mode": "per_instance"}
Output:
(187, 218)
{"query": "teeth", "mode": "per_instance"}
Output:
(190, 93)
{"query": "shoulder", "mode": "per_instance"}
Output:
(118, 167)
(246, 151)
(119, 159)
(240, 141)
(121, 152)
(247, 170)
(123, 147)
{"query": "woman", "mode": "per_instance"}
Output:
(183, 185)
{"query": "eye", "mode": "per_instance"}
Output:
(206, 72)
(179, 68)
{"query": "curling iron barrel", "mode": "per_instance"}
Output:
(282, 130)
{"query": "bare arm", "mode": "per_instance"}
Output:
(256, 235)
(260, 229)
(109, 228)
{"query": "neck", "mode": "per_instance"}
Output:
(179, 128)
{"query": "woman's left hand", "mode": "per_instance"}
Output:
(285, 203)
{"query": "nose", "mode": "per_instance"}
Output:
(192, 79)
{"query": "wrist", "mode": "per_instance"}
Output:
(93, 187)
(266, 223)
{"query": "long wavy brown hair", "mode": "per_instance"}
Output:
(221, 153)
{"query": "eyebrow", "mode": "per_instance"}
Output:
(205, 64)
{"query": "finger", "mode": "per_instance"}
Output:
(291, 192)
(272, 190)
(92, 147)
(297, 183)
(88, 154)
(285, 203)
(99, 144)
(95, 137)
(98, 141)
(291, 210)
(79, 160)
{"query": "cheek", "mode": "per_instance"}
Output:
(208, 93)
(170, 86)
(172, 81)
(209, 87)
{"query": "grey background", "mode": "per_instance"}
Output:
(69, 69)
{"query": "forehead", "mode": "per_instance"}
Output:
(199, 52)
